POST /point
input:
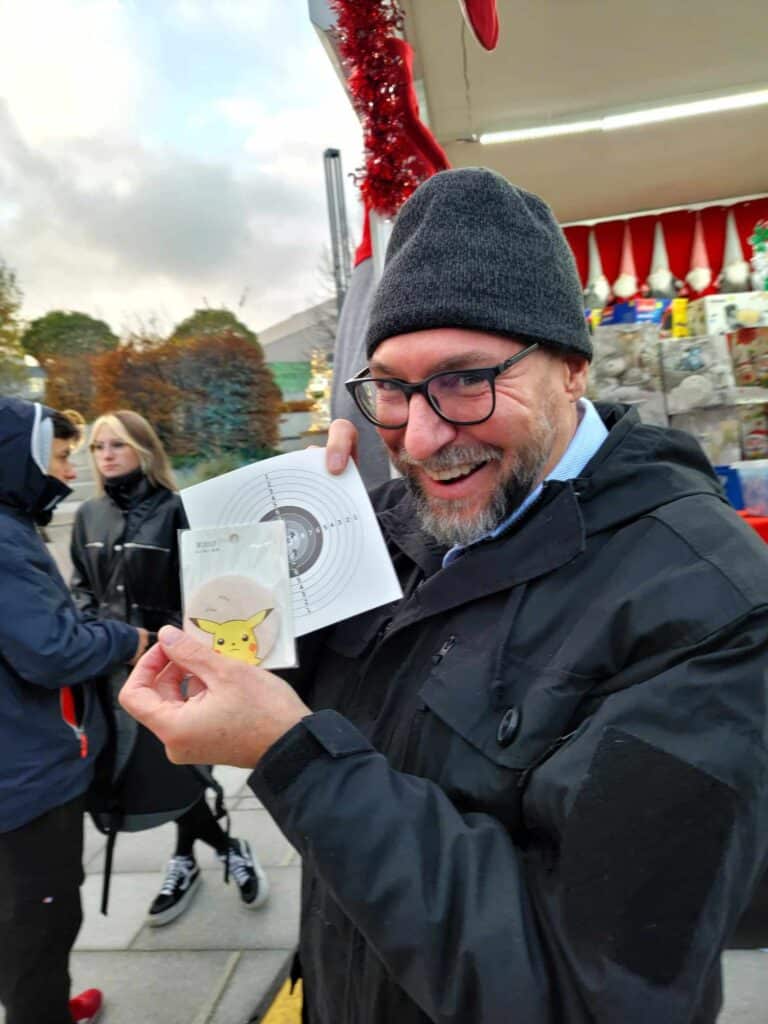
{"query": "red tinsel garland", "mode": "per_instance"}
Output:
(380, 85)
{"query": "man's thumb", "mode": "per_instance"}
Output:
(188, 652)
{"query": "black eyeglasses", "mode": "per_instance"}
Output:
(464, 397)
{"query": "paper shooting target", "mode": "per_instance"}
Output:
(304, 535)
(324, 533)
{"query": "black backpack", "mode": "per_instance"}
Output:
(135, 787)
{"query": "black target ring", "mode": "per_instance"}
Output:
(303, 534)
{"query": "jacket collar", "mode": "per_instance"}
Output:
(549, 536)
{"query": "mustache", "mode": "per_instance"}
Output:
(450, 458)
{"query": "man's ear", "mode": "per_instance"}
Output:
(576, 370)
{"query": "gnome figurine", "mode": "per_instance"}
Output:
(734, 277)
(698, 280)
(597, 294)
(661, 281)
(625, 287)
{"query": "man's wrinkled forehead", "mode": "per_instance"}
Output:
(442, 350)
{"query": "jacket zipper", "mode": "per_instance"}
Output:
(449, 643)
(67, 703)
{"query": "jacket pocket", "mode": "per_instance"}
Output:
(479, 737)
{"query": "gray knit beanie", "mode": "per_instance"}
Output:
(471, 250)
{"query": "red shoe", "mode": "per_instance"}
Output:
(86, 1008)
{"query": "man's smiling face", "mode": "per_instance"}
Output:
(466, 479)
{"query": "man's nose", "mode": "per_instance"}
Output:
(425, 431)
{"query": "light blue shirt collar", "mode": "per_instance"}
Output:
(589, 436)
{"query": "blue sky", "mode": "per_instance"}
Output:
(158, 156)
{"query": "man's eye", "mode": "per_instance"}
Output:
(387, 386)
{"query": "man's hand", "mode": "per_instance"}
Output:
(341, 446)
(231, 714)
(142, 644)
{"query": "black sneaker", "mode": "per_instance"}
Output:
(182, 878)
(251, 881)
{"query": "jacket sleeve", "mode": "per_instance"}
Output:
(652, 824)
(79, 583)
(42, 635)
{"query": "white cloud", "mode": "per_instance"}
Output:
(99, 214)
(242, 15)
(68, 69)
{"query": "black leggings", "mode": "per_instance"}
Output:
(199, 823)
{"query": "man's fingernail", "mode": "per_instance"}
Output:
(335, 460)
(168, 635)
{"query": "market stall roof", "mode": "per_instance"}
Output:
(572, 60)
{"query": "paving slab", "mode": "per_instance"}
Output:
(252, 986)
(173, 987)
(218, 920)
(129, 898)
(746, 987)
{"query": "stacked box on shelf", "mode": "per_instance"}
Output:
(718, 314)
(749, 356)
(696, 373)
(717, 429)
(625, 368)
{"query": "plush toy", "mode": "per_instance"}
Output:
(734, 277)
(625, 287)
(597, 294)
(661, 283)
(759, 243)
(698, 280)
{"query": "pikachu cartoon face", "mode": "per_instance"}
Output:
(235, 638)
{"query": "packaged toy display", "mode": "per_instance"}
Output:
(718, 314)
(696, 373)
(753, 477)
(717, 429)
(749, 355)
(754, 431)
(236, 590)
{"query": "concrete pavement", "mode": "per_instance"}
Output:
(219, 963)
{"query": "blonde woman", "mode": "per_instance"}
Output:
(126, 566)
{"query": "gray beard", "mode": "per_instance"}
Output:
(446, 520)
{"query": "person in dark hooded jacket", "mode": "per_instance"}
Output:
(535, 788)
(51, 728)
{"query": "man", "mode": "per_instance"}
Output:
(50, 728)
(535, 788)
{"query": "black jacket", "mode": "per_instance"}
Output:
(535, 789)
(125, 558)
(125, 554)
(51, 728)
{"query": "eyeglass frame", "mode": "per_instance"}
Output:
(489, 373)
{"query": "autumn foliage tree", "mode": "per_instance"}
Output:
(205, 395)
(231, 401)
(65, 342)
(140, 378)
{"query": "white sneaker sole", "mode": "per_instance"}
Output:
(263, 896)
(158, 920)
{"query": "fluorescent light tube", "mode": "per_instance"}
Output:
(632, 119)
